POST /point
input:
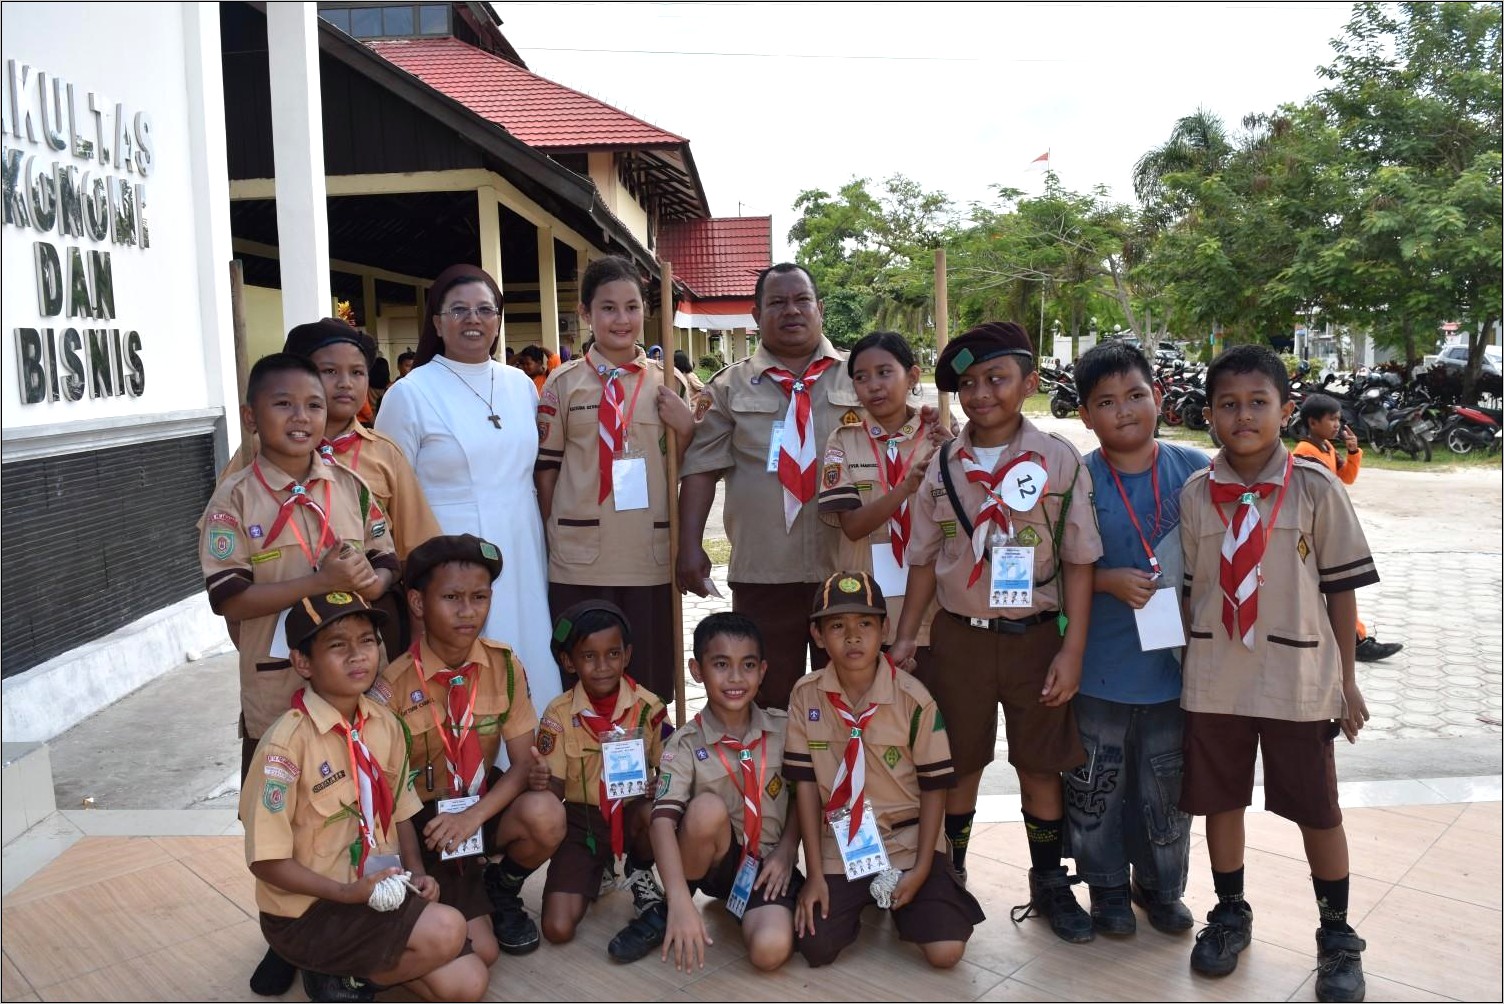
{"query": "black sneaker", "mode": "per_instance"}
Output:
(1371, 649)
(516, 932)
(1169, 918)
(273, 976)
(1228, 930)
(1112, 911)
(641, 936)
(1339, 965)
(1050, 897)
(343, 989)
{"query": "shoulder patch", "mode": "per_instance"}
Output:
(546, 741)
(549, 725)
(274, 795)
(775, 786)
(665, 781)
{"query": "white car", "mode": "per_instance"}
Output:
(1456, 356)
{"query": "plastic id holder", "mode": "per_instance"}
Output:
(1012, 577)
(624, 765)
(471, 844)
(863, 854)
(741, 889)
(629, 482)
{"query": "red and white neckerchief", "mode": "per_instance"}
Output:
(371, 789)
(796, 452)
(891, 469)
(851, 774)
(1243, 549)
(462, 750)
(993, 512)
(345, 442)
(613, 421)
(750, 786)
(298, 496)
(610, 807)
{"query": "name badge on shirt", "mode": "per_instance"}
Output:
(624, 766)
(1012, 577)
(471, 845)
(1024, 486)
(775, 446)
(741, 889)
(629, 483)
(863, 854)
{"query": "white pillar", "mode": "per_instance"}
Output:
(298, 155)
(548, 289)
(488, 211)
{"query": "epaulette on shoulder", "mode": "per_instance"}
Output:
(717, 374)
(500, 646)
(1061, 439)
(1200, 475)
(776, 713)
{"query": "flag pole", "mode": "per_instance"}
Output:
(676, 601)
(942, 326)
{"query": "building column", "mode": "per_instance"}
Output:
(548, 289)
(298, 157)
(488, 211)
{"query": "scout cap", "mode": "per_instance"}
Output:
(312, 614)
(435, 551)
(848, 592)
(567, 625)
(983, 342)
(306, 339)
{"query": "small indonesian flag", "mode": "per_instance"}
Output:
(1040, 163)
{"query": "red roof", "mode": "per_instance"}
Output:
(539, 112)
(719, 256)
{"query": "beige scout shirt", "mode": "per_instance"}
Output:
(734, 437)
(236, 552)
(572, 750)
(939, 536)
(906, 748)
(503, 709)
(851, 477)
(383, 466)
(1316, 546)
(589, 542)
(690, 766)
(302, 803)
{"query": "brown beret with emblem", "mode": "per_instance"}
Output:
(981, 343)
(466, 548)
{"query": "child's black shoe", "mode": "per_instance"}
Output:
(641, 936)
(1169, 918)
(1339, 965)
(273, 976)
(1228, 930)
(1050, 897)
(1112, 911)
(516, 932)
(343, 989)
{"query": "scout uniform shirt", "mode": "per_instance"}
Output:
(503, 710)
(939, 536)
(851, 476)
(303, 804)
(572, 750)
(906, 750)
(691, 764)
(1316, 547)
(734, 436)
(589, 542)
(237, 551)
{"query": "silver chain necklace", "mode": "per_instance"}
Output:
(494, 418)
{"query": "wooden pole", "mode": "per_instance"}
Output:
(242, 356)
(676, 600)
(942, 326)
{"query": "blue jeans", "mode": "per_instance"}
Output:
(1122, 803)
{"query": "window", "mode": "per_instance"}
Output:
(340, 18)
(433, 19)
(396, 20)
(365, 22)
(388, 20)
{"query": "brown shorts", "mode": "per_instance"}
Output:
(1300, 767)
(648, 610)
(718, 882)
(575, 868)
(781, 610)
(344, 939)
(974, 670)
(460, 883)
(942, 910)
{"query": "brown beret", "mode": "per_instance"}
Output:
(436, 551)
(983, 342)
(306, 339)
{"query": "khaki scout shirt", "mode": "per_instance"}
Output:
(734, 437)
(939, 537)
(503, 709)
(850, 478)
(906, 748)
(300, 799)
(571, 749)
(589, 542)
(383, 466)
(236, 553)
(690, 766)
(1315, 547)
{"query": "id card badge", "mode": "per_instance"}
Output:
(863, 854)
(1159, 622)
(624, 765)
(1012, 577)
(741, 889)
(775, 446)
(471, 845)
(891, 574)
(629, 482)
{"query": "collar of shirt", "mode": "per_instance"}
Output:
(763, 360)
(878, 433)
(712, 729)
(881, 692)
(1028, 434)
(595, 360)
(1273, 472)
(324, 715)
(626, 696)
(278, 478)
(433, 664)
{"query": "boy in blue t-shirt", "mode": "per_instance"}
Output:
(1121, 805)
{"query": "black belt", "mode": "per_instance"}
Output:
(1003, 625)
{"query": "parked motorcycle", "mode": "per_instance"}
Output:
(1064, 401)
(1469, 429)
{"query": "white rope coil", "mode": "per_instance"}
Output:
(883, 885)
(390, 892)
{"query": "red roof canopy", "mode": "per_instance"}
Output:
(719, 256)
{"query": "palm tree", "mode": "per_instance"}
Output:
(1198, 146)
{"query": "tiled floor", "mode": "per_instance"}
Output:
(172, 918)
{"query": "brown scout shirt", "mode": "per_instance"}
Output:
(734, 437)
(589, 542)
(850, 477)
(571, 749)
(690, 766)
(907, 751)
(939, 537)
(1316, 546)
(235, 554)
(297, 805)
(503, 709)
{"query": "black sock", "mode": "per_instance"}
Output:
(274, 976)
(633, 865)
(958, 831)
(1331, 901)
(512, 874)
(1045, 841)
(1229, 885)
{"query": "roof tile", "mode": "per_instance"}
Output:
(719, 256)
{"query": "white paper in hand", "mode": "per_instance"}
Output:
(1159, 623)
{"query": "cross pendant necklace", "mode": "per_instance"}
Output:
(493, 418)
